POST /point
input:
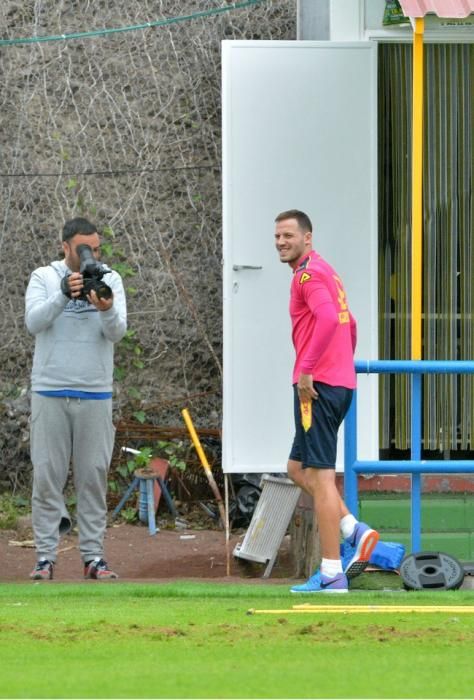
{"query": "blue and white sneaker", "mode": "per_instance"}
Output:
(357, 549)
(318, 583)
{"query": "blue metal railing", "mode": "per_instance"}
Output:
(414, 466)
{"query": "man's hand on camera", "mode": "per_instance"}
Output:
(71, 285)
(100, 304)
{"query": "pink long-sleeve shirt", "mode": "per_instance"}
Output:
(324, 330)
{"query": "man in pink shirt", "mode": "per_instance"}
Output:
(324, 335)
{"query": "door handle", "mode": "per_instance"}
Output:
(237, 268)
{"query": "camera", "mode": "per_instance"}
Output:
(92, 273)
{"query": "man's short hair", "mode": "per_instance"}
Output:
(78, 225)
(304, 222)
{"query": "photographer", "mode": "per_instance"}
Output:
(76, 310)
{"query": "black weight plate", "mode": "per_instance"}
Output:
(431, 571)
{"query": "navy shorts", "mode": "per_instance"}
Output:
(317, 447)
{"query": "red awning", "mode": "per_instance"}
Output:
(442, 8)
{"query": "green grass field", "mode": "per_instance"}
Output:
(196, 640)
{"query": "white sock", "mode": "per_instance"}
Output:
(348, 523)
(331, 567)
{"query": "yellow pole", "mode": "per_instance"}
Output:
(196, 441)
(345, 609)
(204, 463)
(417, 190)
(223, 510)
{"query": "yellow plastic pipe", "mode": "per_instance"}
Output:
(417, 190)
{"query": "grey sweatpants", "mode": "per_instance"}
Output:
(62, 430)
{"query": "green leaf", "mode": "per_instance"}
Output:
(140, 416)
(145, 455)
(119, 373)
(134, 393)
(124, 269)
(129, 514)
(21, 502)
(177, 463)
(107, 249)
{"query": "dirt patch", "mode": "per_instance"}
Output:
(138, 556)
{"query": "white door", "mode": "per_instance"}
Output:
(299, 132)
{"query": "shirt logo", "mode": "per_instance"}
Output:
(306, 415)
(304, 277)
(343, 317)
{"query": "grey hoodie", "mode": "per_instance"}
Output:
(74, 346)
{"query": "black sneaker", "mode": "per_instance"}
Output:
(98, 569)
(43, 570)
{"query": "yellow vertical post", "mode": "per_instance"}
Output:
(417, 190)
(416, 267)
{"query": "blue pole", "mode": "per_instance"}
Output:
(419, 466)
(350, 456)
(416, 455)
(125, 498)
(149, 484)
(167, 496)
(414, 366)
